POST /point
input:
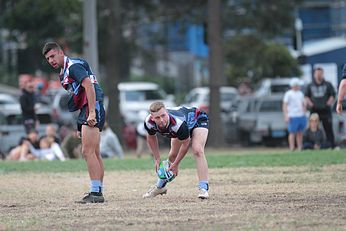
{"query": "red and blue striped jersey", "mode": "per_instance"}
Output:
(71, 76)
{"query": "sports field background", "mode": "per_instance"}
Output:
(250, 190)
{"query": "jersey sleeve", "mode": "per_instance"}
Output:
(150, 131)
(78, 72)
(183, 132)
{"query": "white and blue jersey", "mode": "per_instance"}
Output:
(71, 77)
(182, 121)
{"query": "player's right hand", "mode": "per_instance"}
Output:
(157, 164)
(339, 108)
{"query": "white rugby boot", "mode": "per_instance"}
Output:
(203, 194)
(154, 191)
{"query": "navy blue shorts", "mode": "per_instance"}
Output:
(84, 113)
(202, 121)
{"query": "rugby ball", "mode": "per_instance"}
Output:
(162, 172)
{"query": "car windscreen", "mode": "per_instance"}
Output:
(17, 119)
(279, 88)
(134, 96)
(7, 101)
(224, 97)
(271, 106)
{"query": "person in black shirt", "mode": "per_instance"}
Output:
(320, 96)
(27, 103)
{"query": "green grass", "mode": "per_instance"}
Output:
(216, 159)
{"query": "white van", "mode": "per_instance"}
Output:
(137, 96)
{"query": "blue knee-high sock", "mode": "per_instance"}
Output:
(161, 183)
(203, 184)
(95, 186)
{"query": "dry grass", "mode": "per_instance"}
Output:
(280, 198)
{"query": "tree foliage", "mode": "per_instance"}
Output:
(32, 23)
(267, 18)
(248, 56)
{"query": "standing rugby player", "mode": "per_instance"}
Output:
(87, 96)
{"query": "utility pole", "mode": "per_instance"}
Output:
(217, 137)
(90, 49)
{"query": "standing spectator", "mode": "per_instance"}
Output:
(319, 97)
(27, 103)
(314, 137)
(294, 112)
(109, 143)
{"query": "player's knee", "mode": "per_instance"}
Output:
(197, 151)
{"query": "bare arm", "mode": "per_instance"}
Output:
(284, 110)
(182, 151)
(91, 97)
(184, 147)
(341, 94)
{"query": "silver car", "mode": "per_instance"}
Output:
(11, 125)
(261, 120)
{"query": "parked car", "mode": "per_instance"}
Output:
(261, 120)
(199, 97)
(7, 100)
(60, 113)
(12, 128)
(339, 125)
(137, 96)
(270, 86)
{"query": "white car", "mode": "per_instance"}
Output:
(199, 97)
(273, 86)
(135, 97)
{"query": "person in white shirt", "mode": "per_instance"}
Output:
(294, 110)
(109, 143)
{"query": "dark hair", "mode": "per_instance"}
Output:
(50, 46)
(318, 69)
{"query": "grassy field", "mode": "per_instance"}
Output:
(216, 159)
(253, 189)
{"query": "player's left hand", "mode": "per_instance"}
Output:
(92, 119)
(174, 168)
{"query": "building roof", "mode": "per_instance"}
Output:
(321, 46)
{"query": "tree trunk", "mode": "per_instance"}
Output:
(113, 49)
(216, 135)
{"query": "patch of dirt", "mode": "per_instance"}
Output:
(280, 198)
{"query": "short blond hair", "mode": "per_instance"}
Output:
(314, 116)
(156, 106)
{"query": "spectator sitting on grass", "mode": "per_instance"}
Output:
(314, 137)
